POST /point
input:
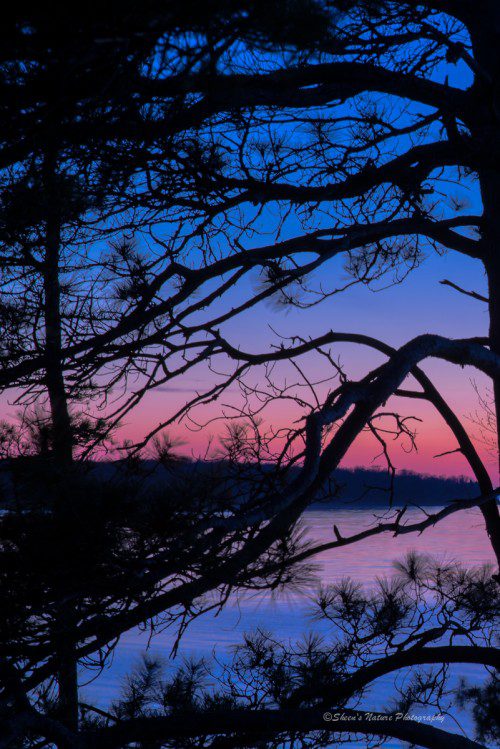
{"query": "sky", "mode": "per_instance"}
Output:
(395, 315)
(420, 304)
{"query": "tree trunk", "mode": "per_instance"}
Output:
(60, 418)
(490, 187)
(61, 432)
(485, 35)
(492, 265)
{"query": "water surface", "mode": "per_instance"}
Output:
(461, 537)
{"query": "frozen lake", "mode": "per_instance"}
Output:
(460, 537)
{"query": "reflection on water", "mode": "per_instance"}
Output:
(461, 537)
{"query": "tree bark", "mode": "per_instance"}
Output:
(260, 724)
(61, 422)
(490, 187)
(485, 35)
(62, 443)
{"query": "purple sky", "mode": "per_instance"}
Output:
(396, 314)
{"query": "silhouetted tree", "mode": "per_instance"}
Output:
(145, 148)
(312, 692)
(80, 132)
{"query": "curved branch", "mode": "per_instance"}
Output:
(407, 170)
(415, 656)
(311, 85)
(326, 243)
(397, 528)
(263, 722)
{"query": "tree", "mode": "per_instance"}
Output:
(185, 126)
(82, 127)
(273, 693)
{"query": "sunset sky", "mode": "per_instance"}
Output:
(395, 314)
(392, 313)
